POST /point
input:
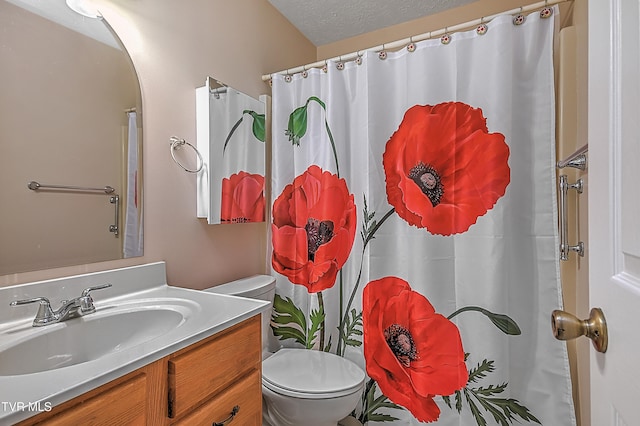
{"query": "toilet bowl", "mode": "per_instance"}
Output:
(299, 386)
(307, 387)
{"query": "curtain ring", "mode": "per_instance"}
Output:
(383, 53)
(482, 28)
(340, 64)
(287, 76)
(519, 18)
(547, 11)
(446, 38)
(411, 47)
(324, 68)
(359, 58)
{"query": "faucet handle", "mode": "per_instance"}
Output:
(86, 291)
(45, 314)
(86, 301)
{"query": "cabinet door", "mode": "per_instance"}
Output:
(124, 404)
(201, 372)
(246, 395)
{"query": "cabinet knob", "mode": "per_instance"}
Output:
(229, 419)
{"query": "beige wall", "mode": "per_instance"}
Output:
(174, 46)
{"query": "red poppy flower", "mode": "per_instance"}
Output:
(412, 352)
(242, 198)
(314, 225)
(443, 168)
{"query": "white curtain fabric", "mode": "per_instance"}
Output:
(493, 248)
(133, 239)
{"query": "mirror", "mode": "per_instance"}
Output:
(231, 141)
(70, 114)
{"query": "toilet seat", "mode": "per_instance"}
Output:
(309, 374)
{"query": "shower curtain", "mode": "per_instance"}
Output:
(413, 225)
(133, 238)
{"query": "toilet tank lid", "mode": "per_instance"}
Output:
(246, 287)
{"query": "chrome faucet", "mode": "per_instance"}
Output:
(73, 308)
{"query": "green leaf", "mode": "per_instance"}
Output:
(316, 318)
(258, 127)
(504, 411)
(377, 417)
(297, 126)
(481, 371)
(351, 328)
(447, 400)
(458, 401)
(284, 333)
(286, 312)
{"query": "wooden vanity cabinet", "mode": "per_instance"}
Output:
(200, 384)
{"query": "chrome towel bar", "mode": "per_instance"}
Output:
(114, 199)
(33, 185)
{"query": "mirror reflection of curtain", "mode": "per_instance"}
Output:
(237, 157)
(133, 241)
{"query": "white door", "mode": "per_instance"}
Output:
(614, 207)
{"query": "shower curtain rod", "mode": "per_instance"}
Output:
(416, 38)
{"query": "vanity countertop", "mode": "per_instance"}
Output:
(133, 289)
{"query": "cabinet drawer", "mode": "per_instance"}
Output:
(213, 366)
(123, 405)
(246, 394)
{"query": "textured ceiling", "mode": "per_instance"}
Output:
(327, 21)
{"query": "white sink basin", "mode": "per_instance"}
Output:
(91, 337)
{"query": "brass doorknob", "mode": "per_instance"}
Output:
(566, 327)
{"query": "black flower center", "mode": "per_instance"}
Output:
(428, 180)
(401, 343)
(318, 233)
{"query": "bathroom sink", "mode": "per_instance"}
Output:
(79, 340)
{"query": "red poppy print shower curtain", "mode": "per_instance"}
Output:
(413, 227)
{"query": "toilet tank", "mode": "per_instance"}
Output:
(260, 287)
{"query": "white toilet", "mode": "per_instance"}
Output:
(299, 386)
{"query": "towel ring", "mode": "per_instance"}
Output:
(177, 142)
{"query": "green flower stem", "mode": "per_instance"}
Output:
(466, 309)
(503, 322)
(326, 125)
(231, 132)
(355, 289)
(322, 325)
(257, 128)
